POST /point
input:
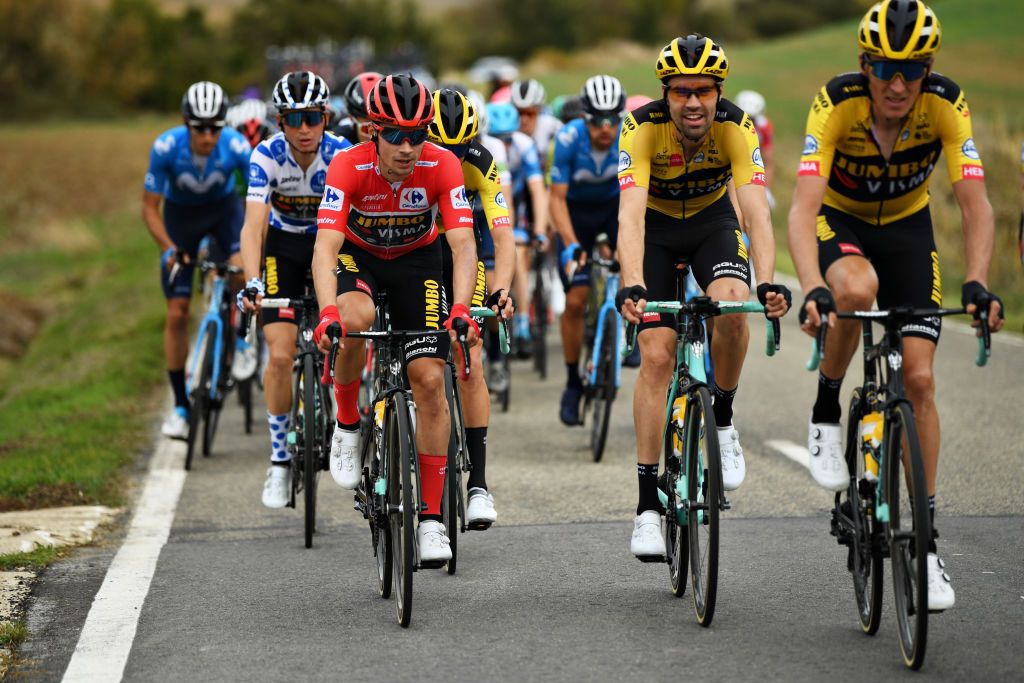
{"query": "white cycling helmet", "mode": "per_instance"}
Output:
(528, 94)
(750, 102)
(301, 90)
(252, 109)
(204, 101)
(603, 95)
(479, 102)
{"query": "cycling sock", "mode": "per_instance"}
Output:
(347, 396)
(574, 381)
(177, 378)
(647, 476)
(521, 325)
(432, 469)
(493, 345)
(278, 437)
(826, 407)
(476, 443)
(722, 406)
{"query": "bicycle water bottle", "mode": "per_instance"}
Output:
(678, 415)
(871, 427)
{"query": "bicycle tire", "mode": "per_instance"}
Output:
(676, 534)
(908, 549)
(864, 558)
(380, 528)
(309, 440)
(704, 494)
(540, 323)
(604, 389)
(449, 499)
(200, 396)
(506, 394)
(401, 502)
(211, 406)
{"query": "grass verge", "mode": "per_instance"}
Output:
(39, 558)
(12, 634)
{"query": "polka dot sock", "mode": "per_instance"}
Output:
(278, 437)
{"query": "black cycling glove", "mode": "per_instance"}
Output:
(765, 287)
(974, 292)
(822, 298)
(634, 292)
(495, 299)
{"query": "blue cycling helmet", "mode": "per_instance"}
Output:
(502, 118)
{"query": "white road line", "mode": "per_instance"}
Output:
(794, 452)
(109, 630)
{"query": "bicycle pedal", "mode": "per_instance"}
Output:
(432, 564)
(478, 526)
(651, 558)
(725, 504)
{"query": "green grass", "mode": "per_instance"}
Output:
(12, 634)
(980, 51)
(41, 557)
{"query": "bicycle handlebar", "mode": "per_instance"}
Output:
(709, 308)
(484, 312)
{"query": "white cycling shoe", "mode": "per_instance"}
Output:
(940, 590)
(827, 465)
(734, 467)
(345, 458)
(480, 512)
(176, 424)
(245, 361)
(278, 486)
(433, 542)
(647, 543)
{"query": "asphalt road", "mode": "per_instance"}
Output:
(551, 592)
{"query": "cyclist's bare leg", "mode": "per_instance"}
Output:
(357, 313)
(729, 343)
(476, 401)
(432, 418)
(657, 360)
(854, 285)
(176, 333)
(571, 324)
(521, 281)
(919, 379)
(277, 384)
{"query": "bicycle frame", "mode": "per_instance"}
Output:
(214, 316)
(611, 287)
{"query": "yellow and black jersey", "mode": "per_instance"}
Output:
(482, 180)
(651, 156)
(840, 146)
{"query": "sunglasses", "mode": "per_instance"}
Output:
(458, 150)
(209, 128)
(395, 136)
(682, 94)
(294, 119)
(888, 69)
(528, 113)
(601, 121)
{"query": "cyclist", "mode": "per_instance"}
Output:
(753, 103)
(249, 117)
(528, 97)
(192, 172)
(455, 127)
(527, 190)
(584, 204)
(376, 230)
(677, 157)
(287, 174)
(860, 224)
(356, 127)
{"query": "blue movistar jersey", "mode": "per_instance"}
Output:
(293, 194)
(183, 179)
(592, 175)
(523, 161)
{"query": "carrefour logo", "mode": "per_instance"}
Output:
(810, 145)
(413, 198)
(333, 199)
(969, 150)
(756, 157)
(458, 197)
(625, 161)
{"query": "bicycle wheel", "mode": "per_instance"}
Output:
(540, 320)
(704, 493)
(604, 388)
(506, 394)
(449, 499)
(402, 504)
(676, 534)
(213, 394)
(309, 440)
(200, 396)
(380, 528)
(864, 560)
(909, 531)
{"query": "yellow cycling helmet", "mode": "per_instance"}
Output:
(455, 118)
(693, 55)
(900, 29)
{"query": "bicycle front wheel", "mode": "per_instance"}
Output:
(909, 530)
(310, 446)
(704, 496)
(540, 326)
(199, 399)
(450, 497)
(604, 387)
(402, 504)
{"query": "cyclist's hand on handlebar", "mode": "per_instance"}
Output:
(631, 301)
(974, 296)
(461, 312)
(818, 302)
(776, 299)
(328, 316)
(571, 258)
(248, 299)
(501, 303)
(543, 244)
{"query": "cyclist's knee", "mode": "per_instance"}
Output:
(854, 292)
(357, 314)
(657, 359)
(920, 383)
(177, 315)
(280, 359)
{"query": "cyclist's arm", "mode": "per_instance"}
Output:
(757, 222)
(154, 221)
(560, 213)
(463, 246)
(978, 226)
(539, 197)
(632, 207)
(254, 230)
(325, 258)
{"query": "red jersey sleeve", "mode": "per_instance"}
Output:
(337, 197)
(456, 209)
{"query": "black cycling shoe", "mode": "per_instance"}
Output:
(569, 411)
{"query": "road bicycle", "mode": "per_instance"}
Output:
(883, 512)
(691, 492)
(540, 308)
(602, 339)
